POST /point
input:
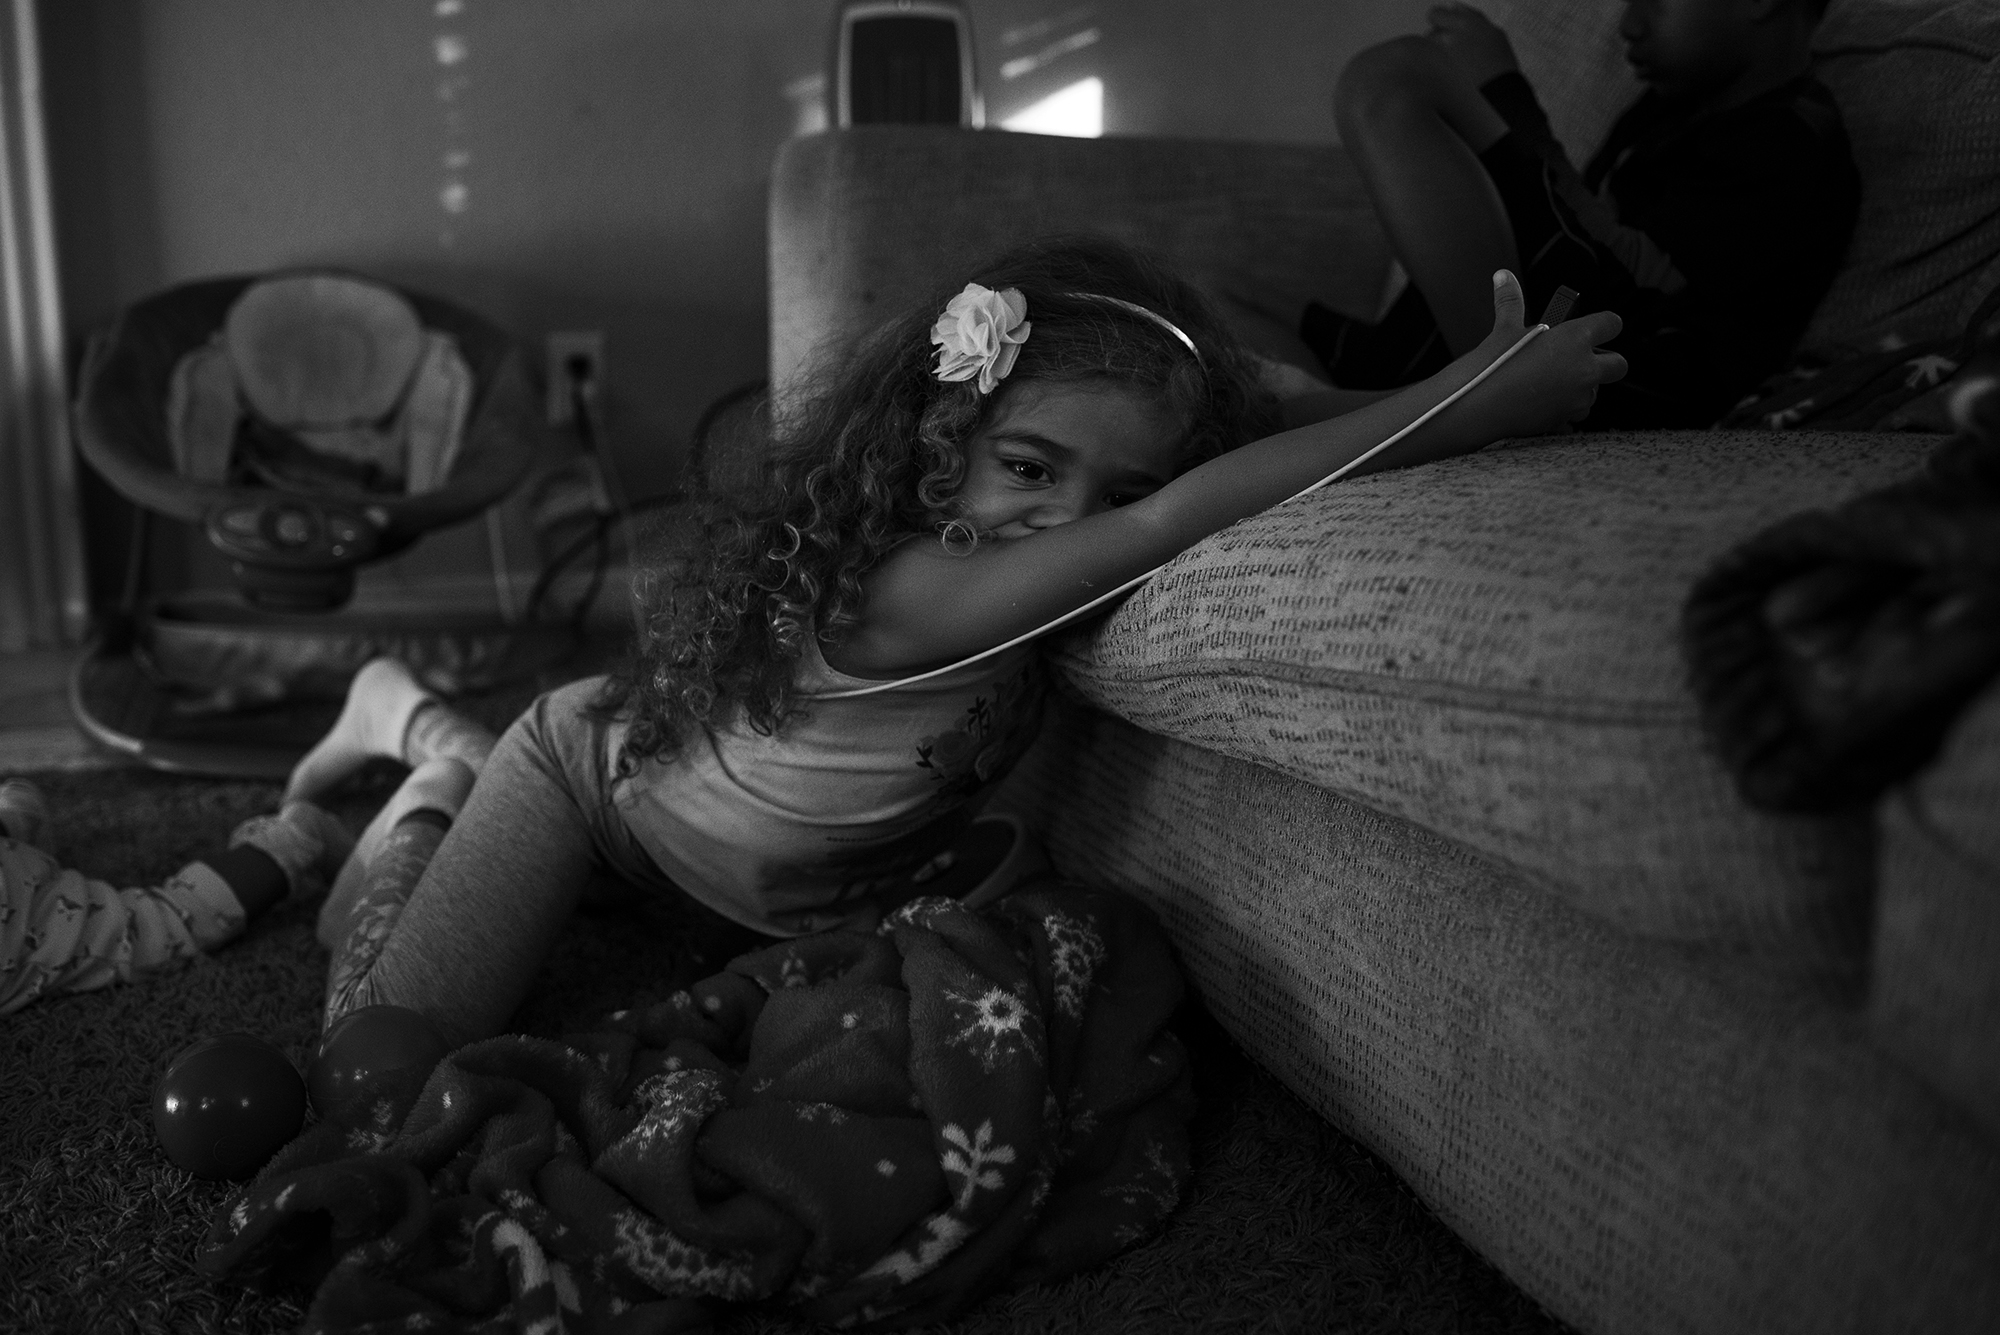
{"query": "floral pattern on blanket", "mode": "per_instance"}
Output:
(867, 1128)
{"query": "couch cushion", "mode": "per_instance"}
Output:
(1918, 82)
(1934, 981)
(1648, 1137)
(1488, 648)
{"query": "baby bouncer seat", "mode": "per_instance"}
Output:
(308, 423)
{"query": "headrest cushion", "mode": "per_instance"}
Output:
(322, 350)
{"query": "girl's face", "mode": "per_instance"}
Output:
(1057, 452)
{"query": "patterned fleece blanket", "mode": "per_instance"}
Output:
(865, 1129)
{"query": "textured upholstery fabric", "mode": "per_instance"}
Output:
(1918, 82)
(1647, 1137)
(869, 220)
(1934, 981)
(1488, 647)
(1411, 774)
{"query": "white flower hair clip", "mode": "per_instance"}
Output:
(980, 334)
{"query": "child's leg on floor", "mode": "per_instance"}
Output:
(414, 824)
(388, 714)
(456, 923)
(61, 931)
(438, 785)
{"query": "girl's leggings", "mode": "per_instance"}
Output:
(456, 922)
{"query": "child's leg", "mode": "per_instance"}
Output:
(414, 824)
(61, 931)
(484, 899)
(438, 786)
(388, 714)
(1415, 127)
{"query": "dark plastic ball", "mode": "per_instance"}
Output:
(226, 1105)
(371, 1065)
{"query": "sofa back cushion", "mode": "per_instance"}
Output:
(1918, 82)
(864, 221)
(868, 220)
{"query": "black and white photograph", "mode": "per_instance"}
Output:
(1075, 667)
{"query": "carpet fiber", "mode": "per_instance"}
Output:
(1287, 1225)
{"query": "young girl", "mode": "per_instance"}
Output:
(996, 458)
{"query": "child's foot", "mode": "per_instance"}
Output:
(24, 813)
(377, 714)
(308, 843)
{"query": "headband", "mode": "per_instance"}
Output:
(980, 334)
(1157, 318)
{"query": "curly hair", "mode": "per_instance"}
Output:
(875, 453)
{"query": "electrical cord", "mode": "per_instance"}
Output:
(878, 687)
(597, 539)
(583, 411)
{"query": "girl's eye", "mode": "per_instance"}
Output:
(1028, 470)
(1114, 499)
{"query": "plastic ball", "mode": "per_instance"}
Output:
(226, 1105)
(371, 1065)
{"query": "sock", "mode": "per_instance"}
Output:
(439, 732)
(255, 877)
(436, 785)
(308, 844)
(380, 703)
(24, 814)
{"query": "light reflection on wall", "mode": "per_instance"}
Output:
(451, 51)
(1076, 111)
(1046, 89)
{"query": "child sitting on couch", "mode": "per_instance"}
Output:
(1712, 219)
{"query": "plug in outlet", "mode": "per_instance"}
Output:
(574, 355)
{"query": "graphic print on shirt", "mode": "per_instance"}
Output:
(987, 741)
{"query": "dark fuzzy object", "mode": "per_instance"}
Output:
(1832, 652)
(1287, 1225)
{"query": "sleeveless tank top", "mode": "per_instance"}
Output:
(787, 833)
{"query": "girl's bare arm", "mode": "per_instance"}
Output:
(925, 607)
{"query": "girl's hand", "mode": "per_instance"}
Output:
(1550, 384)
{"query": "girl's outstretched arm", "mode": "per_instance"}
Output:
(925, 607)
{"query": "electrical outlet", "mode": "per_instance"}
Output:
(568, 350)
